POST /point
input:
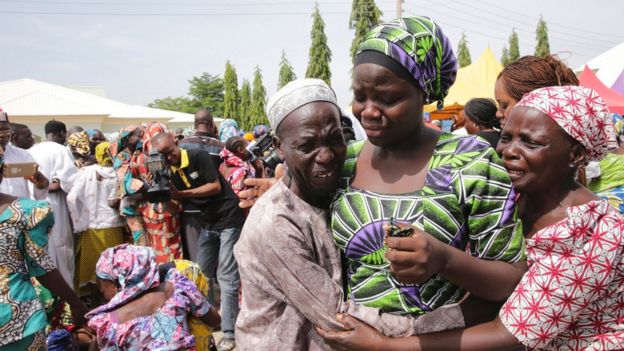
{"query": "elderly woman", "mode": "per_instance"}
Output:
(571, 298)
(142, 313)
(452, 189)
(24, 228)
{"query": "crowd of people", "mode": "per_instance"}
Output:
(504, 234)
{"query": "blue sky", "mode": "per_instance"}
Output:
(140, 50)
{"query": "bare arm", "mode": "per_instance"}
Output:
(54, 282)
(415, 259)
(483, 337)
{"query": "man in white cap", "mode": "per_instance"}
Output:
(289, 266)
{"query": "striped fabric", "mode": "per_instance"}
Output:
(419, 45)
(467, 202)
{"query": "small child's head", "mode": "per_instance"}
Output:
(237, 145)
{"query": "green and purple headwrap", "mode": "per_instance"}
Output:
(420, 47)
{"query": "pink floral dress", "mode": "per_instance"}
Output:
(572, 297)
(167, 329)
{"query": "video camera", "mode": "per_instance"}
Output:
(263, 149)
(158, 191)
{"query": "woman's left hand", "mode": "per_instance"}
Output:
(415, 259)
(361, 336)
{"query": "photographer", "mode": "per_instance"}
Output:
(212, 221)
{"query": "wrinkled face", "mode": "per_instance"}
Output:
(169, 147)
(535, 150)
(313, 147)
(5, 134)
(107, 288)
(505, 102)
(23, 138)
(388, 107)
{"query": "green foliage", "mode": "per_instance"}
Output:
(514, 46)
(244, 106)
(542, 48)
(320, 54)
(505, 56)
(286, 72)
(207, 91)
(230, 98)
(364, 15)
(463, 54)
(258, 101)
(180, 104)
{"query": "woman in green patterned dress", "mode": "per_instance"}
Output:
(24, 230)
(452, 189)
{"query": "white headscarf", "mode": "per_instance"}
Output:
(296, 94)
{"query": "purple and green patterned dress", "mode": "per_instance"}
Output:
(467, 201)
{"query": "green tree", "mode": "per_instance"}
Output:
(180, 104)
(207, 91)
(244, 106)
(286, 72)
(514, 46)
(258, 100)
(230, 97)
(320, 54)
(463, 54)
(364, 15)
(542, 48)
(505, 56)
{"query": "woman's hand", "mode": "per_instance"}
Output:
(415, 259)
(361, 336)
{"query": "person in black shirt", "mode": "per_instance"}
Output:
(480, 117)
(211, 218)
(205, 136)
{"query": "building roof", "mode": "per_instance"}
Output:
(28, 97)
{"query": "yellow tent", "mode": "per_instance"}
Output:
(475, 80)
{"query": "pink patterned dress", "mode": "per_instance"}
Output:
(572, 297)
(167, 329)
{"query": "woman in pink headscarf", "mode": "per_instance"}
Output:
(142, 313)
(571, 297)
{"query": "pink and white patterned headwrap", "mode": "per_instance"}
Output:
(579, 111)
(134, 268)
